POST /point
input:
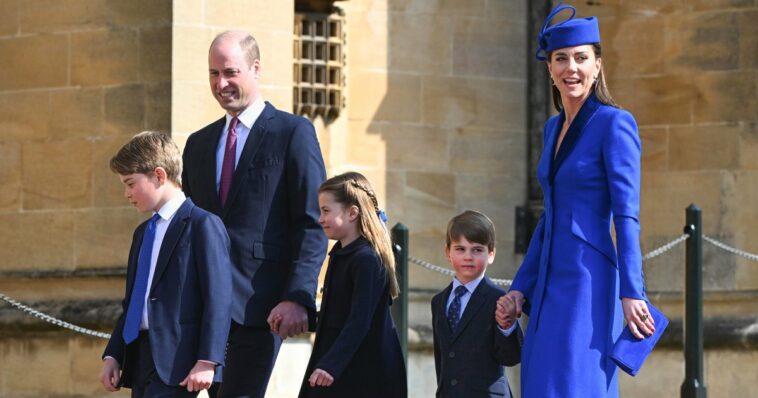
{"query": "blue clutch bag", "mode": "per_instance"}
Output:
(629, 352)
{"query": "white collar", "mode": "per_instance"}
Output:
(248, 116)
(172, 206)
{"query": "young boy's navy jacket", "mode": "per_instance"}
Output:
(189, 300)
(469, 362)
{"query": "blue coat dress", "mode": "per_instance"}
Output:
(573, 276)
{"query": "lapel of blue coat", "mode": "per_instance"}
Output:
(474, 305)
(573, 134)
(546, 161)
(440, 307)
(253, 143)
(171, 238)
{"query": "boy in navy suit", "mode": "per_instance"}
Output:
(170, 339)
(470, 348)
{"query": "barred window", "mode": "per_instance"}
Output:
(319, 64)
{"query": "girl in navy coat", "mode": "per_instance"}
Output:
(574, 283)
(357, 351)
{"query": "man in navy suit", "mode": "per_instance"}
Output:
(259, 169)
(170, 339)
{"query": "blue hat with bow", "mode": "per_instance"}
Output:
(569, 33)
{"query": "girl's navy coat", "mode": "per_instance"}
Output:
(356, 340)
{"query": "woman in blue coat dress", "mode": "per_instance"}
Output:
(574, 284)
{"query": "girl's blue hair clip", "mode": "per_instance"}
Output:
(382, 216)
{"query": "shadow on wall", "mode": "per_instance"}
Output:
(447, 105)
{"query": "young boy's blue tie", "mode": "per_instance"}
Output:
(454, 312)
(137, 300)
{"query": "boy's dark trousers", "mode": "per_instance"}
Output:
(146, 382)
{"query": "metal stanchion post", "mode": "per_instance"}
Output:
(694, 383)
(400, 306)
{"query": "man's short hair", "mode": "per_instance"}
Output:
(246, 41)
(474, 226)
(147, 151)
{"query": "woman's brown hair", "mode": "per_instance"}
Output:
(600, 88)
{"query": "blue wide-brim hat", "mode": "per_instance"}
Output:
(569, 33)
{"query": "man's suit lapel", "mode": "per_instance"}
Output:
(252, 145)
(207, 167)
(173, 233)
(474, 305)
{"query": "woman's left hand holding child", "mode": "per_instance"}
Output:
(506, 312)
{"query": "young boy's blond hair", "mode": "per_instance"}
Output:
(147, 151)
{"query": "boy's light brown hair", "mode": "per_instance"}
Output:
(474, 226)
(147, 151)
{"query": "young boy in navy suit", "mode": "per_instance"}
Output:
(470, 348)
(170, 339)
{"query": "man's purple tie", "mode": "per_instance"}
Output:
(227, 168)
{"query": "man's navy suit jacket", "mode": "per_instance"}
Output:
(469, 362)
(271, 213)
(189, 298)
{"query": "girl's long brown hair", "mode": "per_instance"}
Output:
(353, 189)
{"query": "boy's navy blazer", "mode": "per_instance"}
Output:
(469, 362)
(271, 212)
(189, 298)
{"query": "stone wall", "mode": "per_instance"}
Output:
(687, 71)
(80, 77)
(435, 117)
